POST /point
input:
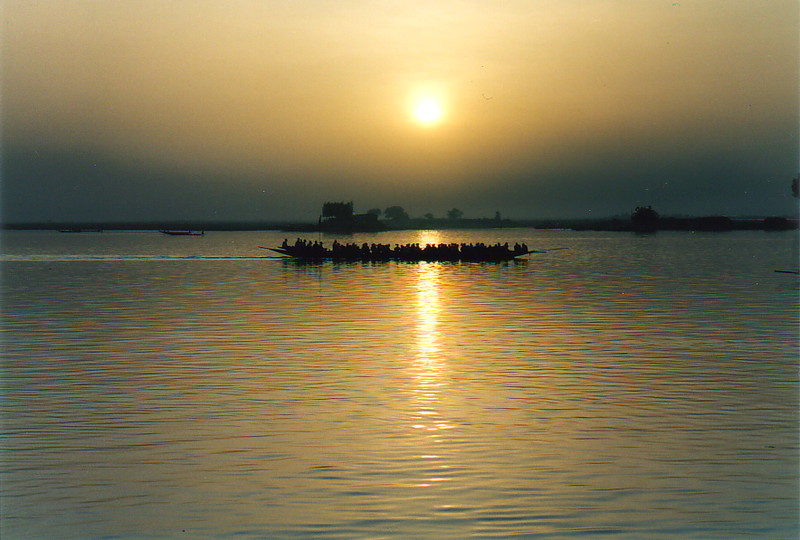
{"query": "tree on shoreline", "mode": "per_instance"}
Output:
(645, 219)
(337, 210)
(454, 213)
(395, 213)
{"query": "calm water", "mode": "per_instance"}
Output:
(189, 387)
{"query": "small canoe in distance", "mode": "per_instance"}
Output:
(182, 233)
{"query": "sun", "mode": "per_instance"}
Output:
(428, 111)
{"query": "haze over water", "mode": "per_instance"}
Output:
(243, 110)
(625, 387)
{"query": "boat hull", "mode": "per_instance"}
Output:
(309, 255)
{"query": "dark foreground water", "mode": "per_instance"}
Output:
(185, 387)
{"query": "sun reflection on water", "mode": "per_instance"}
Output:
(430, 371)
(427, 314)
(430, 366)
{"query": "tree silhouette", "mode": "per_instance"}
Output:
(395, 213)
(375, 212)
(337, 210)
(454, 214)
(644, 219)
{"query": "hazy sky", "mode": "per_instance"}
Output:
(245, 109)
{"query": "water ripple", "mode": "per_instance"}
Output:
(625, 387)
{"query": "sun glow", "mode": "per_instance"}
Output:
(428, 111)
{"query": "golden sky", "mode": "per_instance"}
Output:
(541, 107)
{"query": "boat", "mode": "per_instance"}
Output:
(316, 251)
(182, 232)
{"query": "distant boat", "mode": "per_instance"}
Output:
(182, 233)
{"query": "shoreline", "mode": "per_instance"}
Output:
(702, 223)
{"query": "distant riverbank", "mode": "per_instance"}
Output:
(701, 223)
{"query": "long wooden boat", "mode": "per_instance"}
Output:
(485, 254)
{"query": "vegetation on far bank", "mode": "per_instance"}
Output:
(620, 224)
(340, 217)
